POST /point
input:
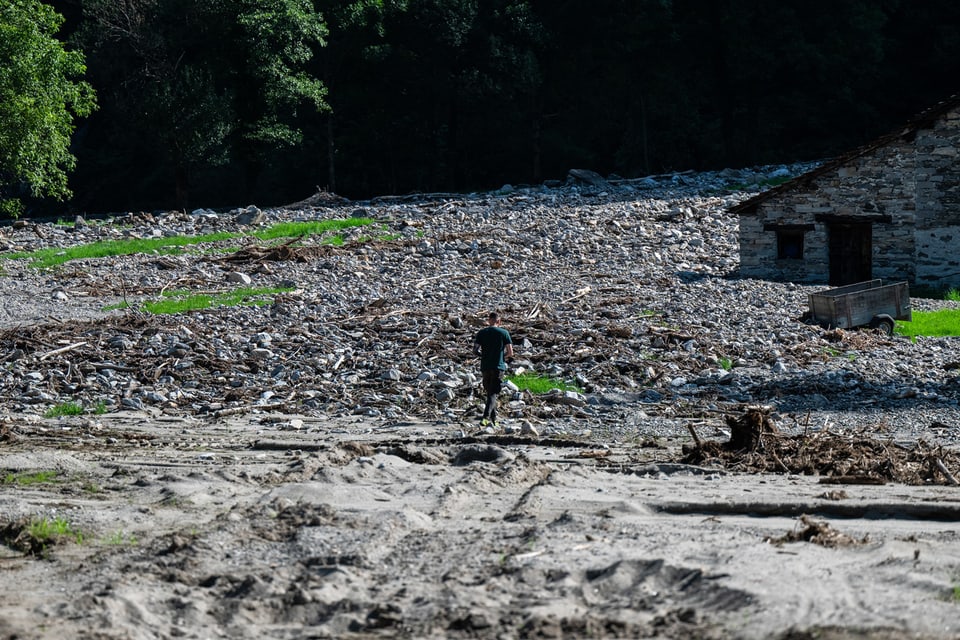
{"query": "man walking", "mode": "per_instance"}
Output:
(492, 344)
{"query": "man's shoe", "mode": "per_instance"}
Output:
(484, 422)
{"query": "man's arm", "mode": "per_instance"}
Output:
(508, 350)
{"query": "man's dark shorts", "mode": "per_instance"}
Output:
(491, 381)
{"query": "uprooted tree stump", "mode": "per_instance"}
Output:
(746, 437)
(757, 446)
(747, 430)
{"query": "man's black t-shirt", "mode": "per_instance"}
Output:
(492, 340)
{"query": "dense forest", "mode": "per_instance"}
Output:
(220, 103)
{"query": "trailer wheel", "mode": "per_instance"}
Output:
(884, 323)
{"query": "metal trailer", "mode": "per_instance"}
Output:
(864, 304)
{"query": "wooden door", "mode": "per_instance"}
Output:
(850, 252)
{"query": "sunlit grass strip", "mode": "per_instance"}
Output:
(45, 529)
(945, 322)
(64, 409)
(26, 479)
(44, 258)
(536, 384)
(308, 228)
(179, 302)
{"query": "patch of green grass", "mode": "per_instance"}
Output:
(182, 301)
(26, 479)
(45, 530)
(945, 322)
(45, 258)
(726, 363)
(64, 409)
(953, 295)
(536, 383)
(120, 539)
(309, 228)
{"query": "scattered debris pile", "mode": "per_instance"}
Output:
(818, 532)
(755, 446)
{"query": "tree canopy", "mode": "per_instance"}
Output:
(40, 95)
(231, 102)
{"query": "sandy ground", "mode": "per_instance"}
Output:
(267, 526)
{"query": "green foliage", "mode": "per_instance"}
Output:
(121, 539)
(934, 293)
(64, 409)
(224, 102)
(39, 98)
(278, 36)
(199, 84)
(309, 228)
(945, 322)
(179, 303)
(535, 383)
(45, 530)
(26, 479)
(726, 364)
(44, 258)
(116, 307)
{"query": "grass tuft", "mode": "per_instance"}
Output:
(26, 479)
(120, 539)
(309, 228)
(182, 301)
(46, 530)
(51, 257)
(64, 409)
(536, 383)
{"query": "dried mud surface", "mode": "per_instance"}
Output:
(243, 528)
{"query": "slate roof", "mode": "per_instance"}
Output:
(924, 120)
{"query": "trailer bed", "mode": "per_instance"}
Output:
(864, 304)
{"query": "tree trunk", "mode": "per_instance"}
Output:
(331, 157)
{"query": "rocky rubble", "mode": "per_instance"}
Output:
(627, 289)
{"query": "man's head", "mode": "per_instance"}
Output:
(493, 318)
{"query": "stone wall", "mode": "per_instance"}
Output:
(938, 203)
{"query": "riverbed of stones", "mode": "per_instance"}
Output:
(625, 290)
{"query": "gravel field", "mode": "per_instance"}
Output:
(628, 290)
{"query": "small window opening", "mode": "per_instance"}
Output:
(789, 244)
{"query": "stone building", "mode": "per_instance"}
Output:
(889, 210)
